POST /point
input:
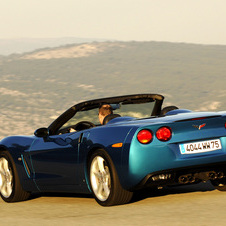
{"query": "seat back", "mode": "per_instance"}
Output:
(110, 117)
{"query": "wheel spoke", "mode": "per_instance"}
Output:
(100, 162)
(5, 165)
(106, 189)
(2, 181)
(2, 172)
(99, 189)
(6, 178)
(100, 178)
(1, 166)
(96, 174)
(4, 189)
(9, 189)
(95, 171)
(106, 172)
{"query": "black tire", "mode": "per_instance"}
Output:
(104, 181)
(10, 187)
(219, 184)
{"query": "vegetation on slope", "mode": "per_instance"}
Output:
(35, 87)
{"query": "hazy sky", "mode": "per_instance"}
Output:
(193, 21)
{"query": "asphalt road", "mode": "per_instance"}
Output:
(188, 205)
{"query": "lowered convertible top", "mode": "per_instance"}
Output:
(91, 104)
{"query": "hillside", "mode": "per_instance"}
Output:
(21, 45)
(37, 86)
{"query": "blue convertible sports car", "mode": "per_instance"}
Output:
(139, 145)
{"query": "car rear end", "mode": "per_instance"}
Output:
(184, 148)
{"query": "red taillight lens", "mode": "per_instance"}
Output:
(145, 136)
(164, 133)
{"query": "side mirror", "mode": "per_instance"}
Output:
(42, 132)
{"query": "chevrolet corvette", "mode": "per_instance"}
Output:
(140, 145)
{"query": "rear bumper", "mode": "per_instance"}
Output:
(184, 175)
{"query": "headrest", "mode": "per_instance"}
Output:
(110, 117)
(167, 109)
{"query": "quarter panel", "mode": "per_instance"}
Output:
(102, 138)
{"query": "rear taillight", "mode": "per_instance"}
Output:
(164, 134)
(145, 136)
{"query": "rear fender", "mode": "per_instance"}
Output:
(103, 139)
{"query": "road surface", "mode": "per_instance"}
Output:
(189, 205)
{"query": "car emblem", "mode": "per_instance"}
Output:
(199, 126)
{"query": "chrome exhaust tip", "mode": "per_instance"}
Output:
(183, 179)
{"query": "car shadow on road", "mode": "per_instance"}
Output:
(154, 192)
(60, 195)
(139, 195)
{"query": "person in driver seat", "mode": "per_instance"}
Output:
(104, 110)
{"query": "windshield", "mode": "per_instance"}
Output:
(142, 110)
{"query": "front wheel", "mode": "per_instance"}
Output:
(10, 187)
(104, 181)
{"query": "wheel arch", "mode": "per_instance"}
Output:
(112, 155)
(20, 166)
(12, 154)
(118, 195)
(3, 148)
(18, 192)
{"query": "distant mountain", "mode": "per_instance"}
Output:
(37, 86)
(21, 45)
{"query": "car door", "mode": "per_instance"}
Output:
(54, 161)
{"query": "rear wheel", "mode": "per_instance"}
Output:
(10, 187)
(104, 181)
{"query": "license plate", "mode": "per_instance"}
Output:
(200, 147)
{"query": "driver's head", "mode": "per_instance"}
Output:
(104, 110)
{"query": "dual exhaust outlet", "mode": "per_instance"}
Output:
(203, 176)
